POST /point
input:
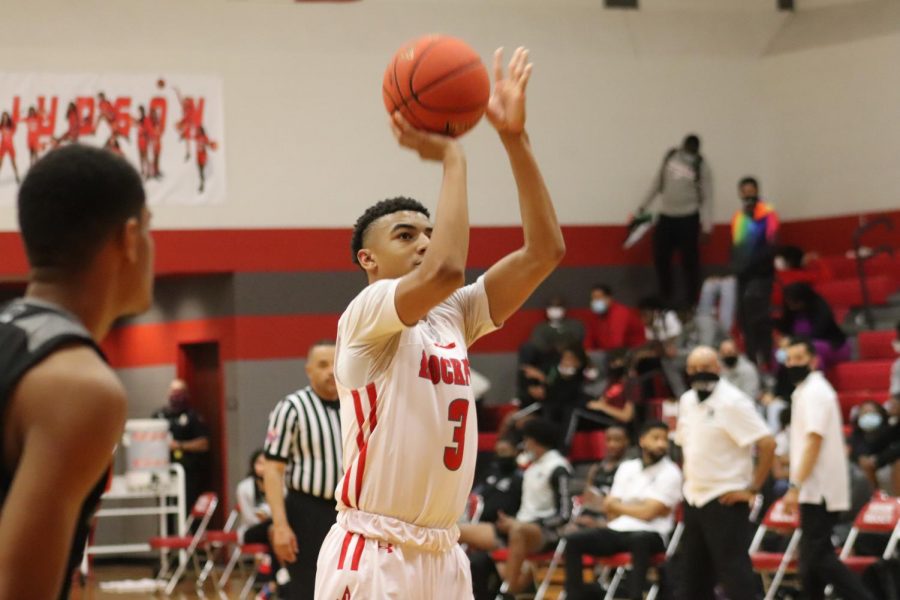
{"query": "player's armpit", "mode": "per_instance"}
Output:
(68, 414)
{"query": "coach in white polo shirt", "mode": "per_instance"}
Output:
(717, 428)
(819, 480)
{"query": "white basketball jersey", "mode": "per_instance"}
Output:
(410, 435)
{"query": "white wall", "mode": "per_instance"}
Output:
(832, 137)
(308, 144)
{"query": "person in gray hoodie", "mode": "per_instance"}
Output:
(684, 187)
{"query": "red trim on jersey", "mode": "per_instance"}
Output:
(373, 420)
(344, 547)
(357, 553)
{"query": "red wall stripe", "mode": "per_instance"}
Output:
(290, 250)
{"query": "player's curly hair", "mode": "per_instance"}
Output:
(375, 212)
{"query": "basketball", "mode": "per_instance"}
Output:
(438, 83)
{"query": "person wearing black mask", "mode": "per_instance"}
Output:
(754, 235)
(738, 370)
(640, 508)
(190, 439)
(819, 482)
(718, 425)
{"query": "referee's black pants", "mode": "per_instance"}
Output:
(818, 564)
(714, 548)
(310, 519)
(605, 542)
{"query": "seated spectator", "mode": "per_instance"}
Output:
(255, 521)
(614, 407)
(544, 510)
(793, 266)
(875, 444)
(641, 507)
(501, 491)
(600, 478)
(612, 325)
(806, 314)
(715, 310)
(663, 329)
(550, 337)
(738, 370)
(255, 516)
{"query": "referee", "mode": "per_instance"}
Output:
(303, 452)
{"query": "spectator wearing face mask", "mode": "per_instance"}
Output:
(565, 387)
(754, 233)
(819, 483)
(612, 325)
(663, 330)
(738, 370)
(718, 426)
(875, 445)
(611, 409)
(806, 314)
(557, 332)
(190, 438)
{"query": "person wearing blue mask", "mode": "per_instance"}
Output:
(819, 485)
(612, 325)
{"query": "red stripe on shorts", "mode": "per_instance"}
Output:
(357, 553)
(344, 547)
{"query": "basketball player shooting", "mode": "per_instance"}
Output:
(402, 369)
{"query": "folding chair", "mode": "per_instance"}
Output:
(622, 562)
(216, 540)
(201, 513)
(257, 551)
(777, 563)
(880, 515)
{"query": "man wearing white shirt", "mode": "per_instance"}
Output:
(717, 428)
(640, 506)
(818, 476)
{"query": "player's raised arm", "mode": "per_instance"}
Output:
(512, 279)
(440, 270)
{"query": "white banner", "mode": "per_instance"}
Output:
(170, 127)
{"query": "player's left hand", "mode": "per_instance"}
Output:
(506, 107)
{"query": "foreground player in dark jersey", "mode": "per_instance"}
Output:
(85, 226)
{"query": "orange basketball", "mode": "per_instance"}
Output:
(438, 83)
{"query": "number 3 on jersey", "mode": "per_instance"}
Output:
(458, 412)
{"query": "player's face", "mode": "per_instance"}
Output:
(396, 244)
(320, 370)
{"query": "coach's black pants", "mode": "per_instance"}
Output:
(682, 235)
(818, 564)
(714, 549)
(605, 542)
(310, 519)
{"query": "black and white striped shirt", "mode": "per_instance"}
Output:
(305, 432)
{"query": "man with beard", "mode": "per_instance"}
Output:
(641, 512)
(718, 425)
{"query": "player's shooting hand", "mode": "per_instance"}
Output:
(284, 543)
(506, 107)
(429, 146)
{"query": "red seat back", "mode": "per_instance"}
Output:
(778, 518)
(879, 515)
